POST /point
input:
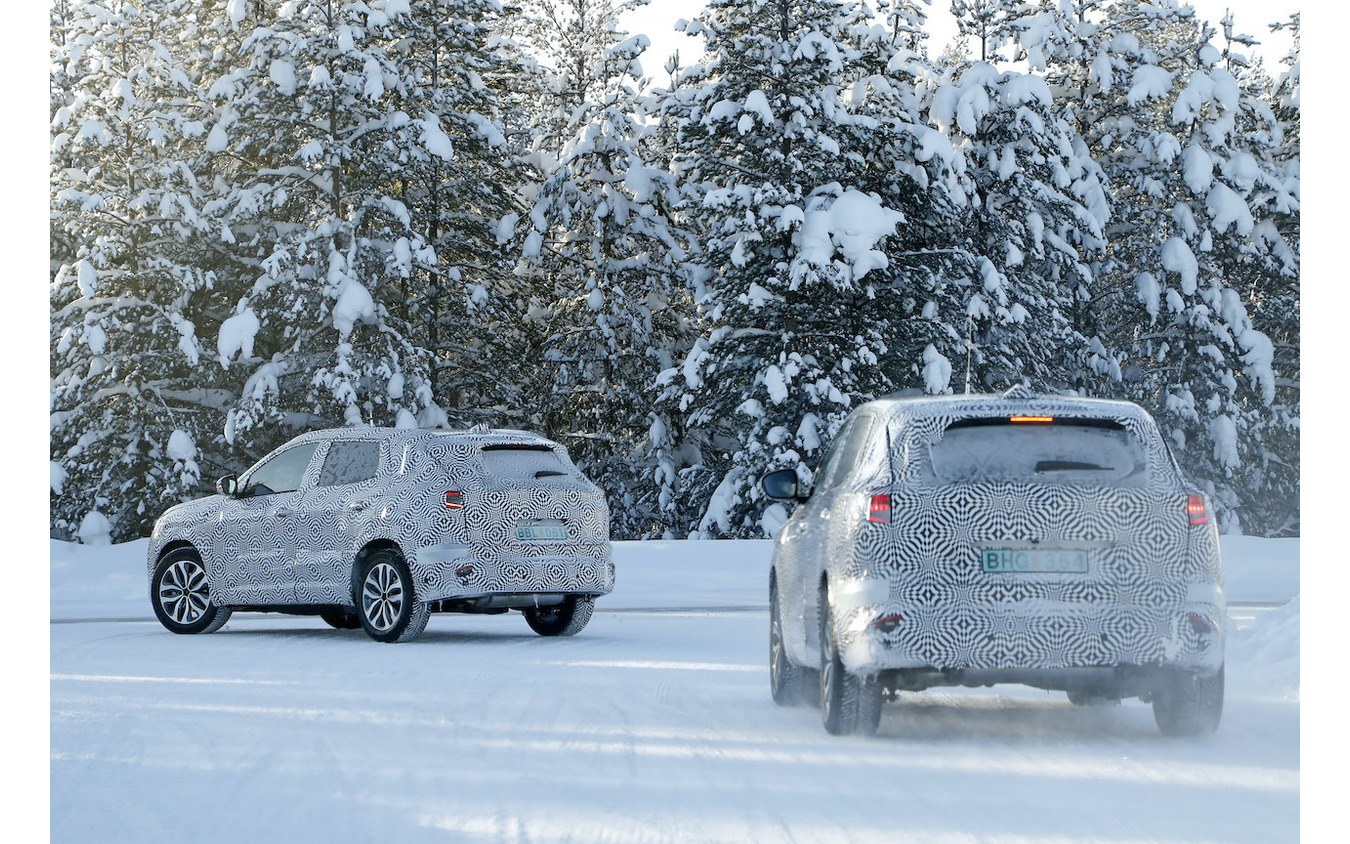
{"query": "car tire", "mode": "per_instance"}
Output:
(565, 619)
(849, 704)
(341, 618)
(786, 679)
(386, 599)
(1188, 704)
(181, 595)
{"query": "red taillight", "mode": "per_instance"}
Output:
(1040, 420)
(1195, 510)
(880, 509)
(454, 500)
(888, 623)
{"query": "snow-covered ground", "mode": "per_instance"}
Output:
(653, 724)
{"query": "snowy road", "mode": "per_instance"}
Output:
(648, 726)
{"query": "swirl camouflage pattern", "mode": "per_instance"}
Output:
(382, 526)
(972, 540)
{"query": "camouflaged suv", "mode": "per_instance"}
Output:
(379, 528)
(974, 540)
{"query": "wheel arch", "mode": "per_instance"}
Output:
(374, 545)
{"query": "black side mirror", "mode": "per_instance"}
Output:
(782, 486)
(228, 485)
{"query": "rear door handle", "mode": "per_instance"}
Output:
(283, 512)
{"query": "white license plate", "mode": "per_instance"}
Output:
(1026, 560)
(541, 532)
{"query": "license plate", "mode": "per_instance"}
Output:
(541, 532)
(1024, 560)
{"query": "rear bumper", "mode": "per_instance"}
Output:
(457, 571)
(876, 634)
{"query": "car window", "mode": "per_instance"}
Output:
(523, 463)
(282, 473)
(1068, 451)
(350, 463)
(848, 447)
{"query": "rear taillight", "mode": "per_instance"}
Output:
(1195, 510)
(880, 509)
(454, 500)
(888, 623)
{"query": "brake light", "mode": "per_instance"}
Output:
(454, 499)
(1195, 510)
(1036, 420)
(880, 509)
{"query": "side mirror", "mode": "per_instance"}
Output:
(228, 485)
(782, 486)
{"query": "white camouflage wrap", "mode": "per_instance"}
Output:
(301, 547)
(1152, 594)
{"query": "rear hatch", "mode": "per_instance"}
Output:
(535, 503)
(1039, 541)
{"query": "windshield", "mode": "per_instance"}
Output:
(1068, 451)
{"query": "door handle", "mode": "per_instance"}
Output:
(283, 512)
(358, 506)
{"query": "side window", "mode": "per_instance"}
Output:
(350, 463)
(844, 454)
(283, 473)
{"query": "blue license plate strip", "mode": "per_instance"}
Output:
(1034, 560)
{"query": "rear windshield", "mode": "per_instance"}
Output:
(523, 462)
(1066, 451)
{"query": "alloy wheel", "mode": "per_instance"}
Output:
(183, 592)
(382, 596)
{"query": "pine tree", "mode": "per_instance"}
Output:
(1179, 139)
(134, 399)
(602, 254)
(790, 189)
(302, 141)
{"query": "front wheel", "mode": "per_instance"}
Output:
(181, 595)
(786, 679)
(387, 604)
(848, 703)
(1188, 704)
(565, 619)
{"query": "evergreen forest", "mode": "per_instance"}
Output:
(272, 216)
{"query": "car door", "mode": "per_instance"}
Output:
(330, 518)
(257, 539)
(825, 510)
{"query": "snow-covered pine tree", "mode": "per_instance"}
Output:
(611, 311)
(459, 170)
(1161, 116)
(135, 401)
(1034, 227)
(303, 140)
(771, 137)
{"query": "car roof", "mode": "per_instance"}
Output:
(479, 436)
(1018, 400)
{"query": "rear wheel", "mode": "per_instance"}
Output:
(848, 703)
(565, 619)
(181, 596)
(1188, 704)
(786, 679)
(387, 605)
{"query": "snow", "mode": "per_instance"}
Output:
(236, 336)
(653, 724)
(282, 74)
(854, 223)
(1178, 258)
